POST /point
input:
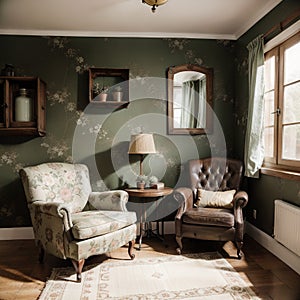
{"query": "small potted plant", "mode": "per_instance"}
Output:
(117, 93)
(153, 180)
(141, 181)
(100, 93)
(103, 94)
(96, 89)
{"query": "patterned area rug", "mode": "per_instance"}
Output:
(195, 276)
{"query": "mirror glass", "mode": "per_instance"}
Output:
(189, 99)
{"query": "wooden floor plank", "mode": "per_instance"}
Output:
(23, 277)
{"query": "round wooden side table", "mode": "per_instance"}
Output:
(147, 195)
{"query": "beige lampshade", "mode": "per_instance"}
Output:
(142, 143)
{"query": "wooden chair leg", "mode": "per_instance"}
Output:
(130, 249)
(239, 247)
(179, 242)
(78, 266)
(41, 253)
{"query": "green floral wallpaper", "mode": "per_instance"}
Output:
(99, 137)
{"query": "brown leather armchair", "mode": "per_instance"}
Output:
(210, 223)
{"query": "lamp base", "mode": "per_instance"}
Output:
(140, 185)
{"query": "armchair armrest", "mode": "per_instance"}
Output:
(240, 199)
(109, 200)
(185, 199)
(59, 210)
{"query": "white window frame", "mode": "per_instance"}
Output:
(275, 47)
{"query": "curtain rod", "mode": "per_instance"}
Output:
(283, 24)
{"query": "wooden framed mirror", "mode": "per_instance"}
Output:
(190, 99)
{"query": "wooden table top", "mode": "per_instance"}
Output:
(148, 192)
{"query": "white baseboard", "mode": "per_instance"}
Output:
(26, 233)
(169, 227)
(283, 253)
(16, 233)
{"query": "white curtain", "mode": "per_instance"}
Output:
(201, 117)
(189, 97)
(254, 148)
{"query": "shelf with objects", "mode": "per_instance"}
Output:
(109, 87)
(22, 106)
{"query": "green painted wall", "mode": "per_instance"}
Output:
(266, 189)
(98, 136)
(101, 137)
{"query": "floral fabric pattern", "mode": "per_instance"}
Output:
(88, 224)
(58, 182)
(101, 244)
(57, 196)
(109, 200)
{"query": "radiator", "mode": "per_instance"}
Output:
(287, 225)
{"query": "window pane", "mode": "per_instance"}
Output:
(270, 73)
(177, 117)
(292, 63)
(269, 141)
(269, 108)
(291, 103)
(291, 142)
(177, 94)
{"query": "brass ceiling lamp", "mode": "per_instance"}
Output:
(154, 3)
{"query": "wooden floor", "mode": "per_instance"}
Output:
(22, 277)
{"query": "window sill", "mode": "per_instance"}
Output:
(290, 175)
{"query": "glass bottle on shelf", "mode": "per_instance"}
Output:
(23, 107)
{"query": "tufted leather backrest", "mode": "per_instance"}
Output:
(215, 174)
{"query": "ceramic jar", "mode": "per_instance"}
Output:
(117, 96)
(23, 107)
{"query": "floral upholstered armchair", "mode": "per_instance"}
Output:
(71, 221)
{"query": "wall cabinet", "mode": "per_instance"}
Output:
(108, 87)
(10, 122)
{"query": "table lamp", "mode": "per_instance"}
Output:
(142, 144)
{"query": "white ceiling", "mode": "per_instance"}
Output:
(214, 19)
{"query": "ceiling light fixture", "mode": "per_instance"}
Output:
(154, 3)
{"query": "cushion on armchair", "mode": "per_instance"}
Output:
(209, 216)
(88, 224)
(215, 199)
